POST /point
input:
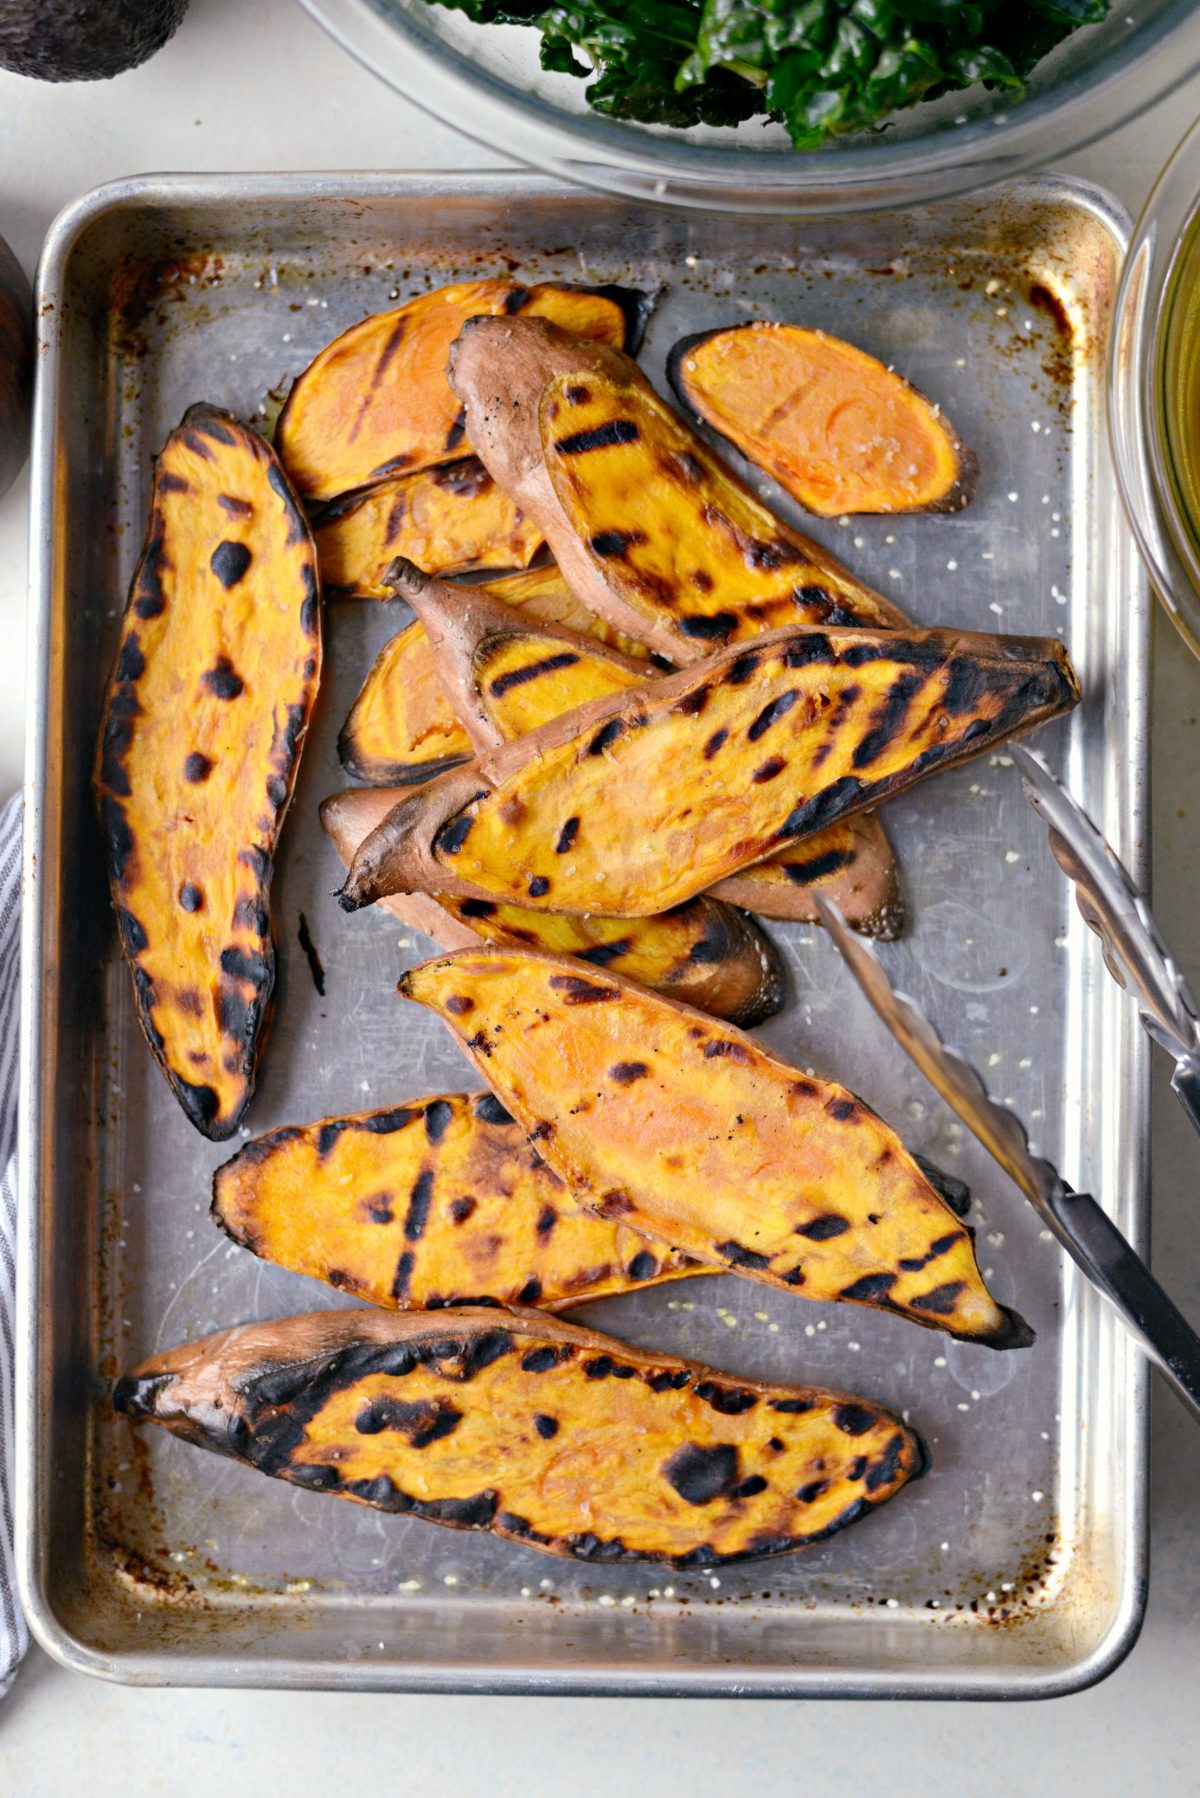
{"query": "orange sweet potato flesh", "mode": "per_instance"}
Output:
(635, 803)
(507, 675)
(447, 520)
(375, 401)
(402, 727)
(705, 952)
(203, 723)
(524, 1425)
(837, 429)
(438, 1201)
(652, 531)
(688, 1130)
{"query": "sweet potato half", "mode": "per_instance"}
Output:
(689, 1131)
(521, 1424)
(448, 520)
(402, 726)
(508, 675)
(438, 1201)
(375, 401)
(636, 803)
(203, 723)
(705, 952)
(650, 529)
(837, 429)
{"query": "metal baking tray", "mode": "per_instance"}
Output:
(1017, 1568)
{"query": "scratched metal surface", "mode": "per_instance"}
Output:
(1016, 1566)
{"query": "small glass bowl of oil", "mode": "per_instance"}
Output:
(1154, 387)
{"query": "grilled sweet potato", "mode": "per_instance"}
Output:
(447, 520)
(438, 1201)
(706, 953)
(375, 401)
(402, 727)
(691, 1132)
(519, 1423)
(836, 429)
(507, 676)
(203, 724)
(639, 801)
(649, 528)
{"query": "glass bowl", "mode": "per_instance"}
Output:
(486, 82)
(1154, 387)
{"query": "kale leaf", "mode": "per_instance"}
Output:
(820, 66)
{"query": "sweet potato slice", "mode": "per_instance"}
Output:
(518, 1423)
(438, 1201)
(507, 676)
(705, 952)
(447, 520)
(402, 727)
(203, 724)
(838, 430)
(690, 1131)
(375, 401)
(652, 531)
(637, 802)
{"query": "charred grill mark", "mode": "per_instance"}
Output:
(602, 955)
(942, 1300)
(483, 1351)
(700, 1475)
(605, 436)
(887, 1467)
(854, 1420)
(818, 867)
(791, 1407)
(693, 703)
(728, 1401)
(462, 1209)
(378, 1208)
(391, 344)
(418, 1206)
(577, 394)
(738, 1256)
(451, 836)
(912, 1264)
(871, 1289)
(131, 663)
(547, 1218)
(437, 1120)
(841, 1110)
(229, 562)
(422, 1420)
(457, 432)
(197, 768)
(823, 808)
(223, 680)
(566, 836)
(517, 677)
(815, 1489)
(577, 991)
(310, 606)
(823, 1228)
(615, 544)
(626, 1072)
(250, 913)
(955, 1192)
(715, 742)
(539, 886)
(531, 1292)
(643, 1266)
(886, 718)
(711, 627)
(546, 1426)
(236, 508)
(606, 736)
(459, 1004)
(721, 1048)
(750, 1487)
(191, 897)
(771, 714)
(768, 770)
(740, 672)
(478, 908)
(490, 1111)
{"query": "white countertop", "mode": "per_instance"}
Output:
(260, 87)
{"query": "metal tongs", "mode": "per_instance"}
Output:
(1137, 958)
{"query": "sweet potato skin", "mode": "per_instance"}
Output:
(666, 788)
(438, 1201)
(518, 1423)
(506, 676)
(203, 723)
(837, 429)
(705, 952)
(375, 401)
(447, 520)
(688, 1130)
(402, 727)
(650, 529)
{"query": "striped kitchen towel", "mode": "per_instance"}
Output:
(14, 1637)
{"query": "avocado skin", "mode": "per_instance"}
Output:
(88, 40)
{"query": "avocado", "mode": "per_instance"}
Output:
(83, 40)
